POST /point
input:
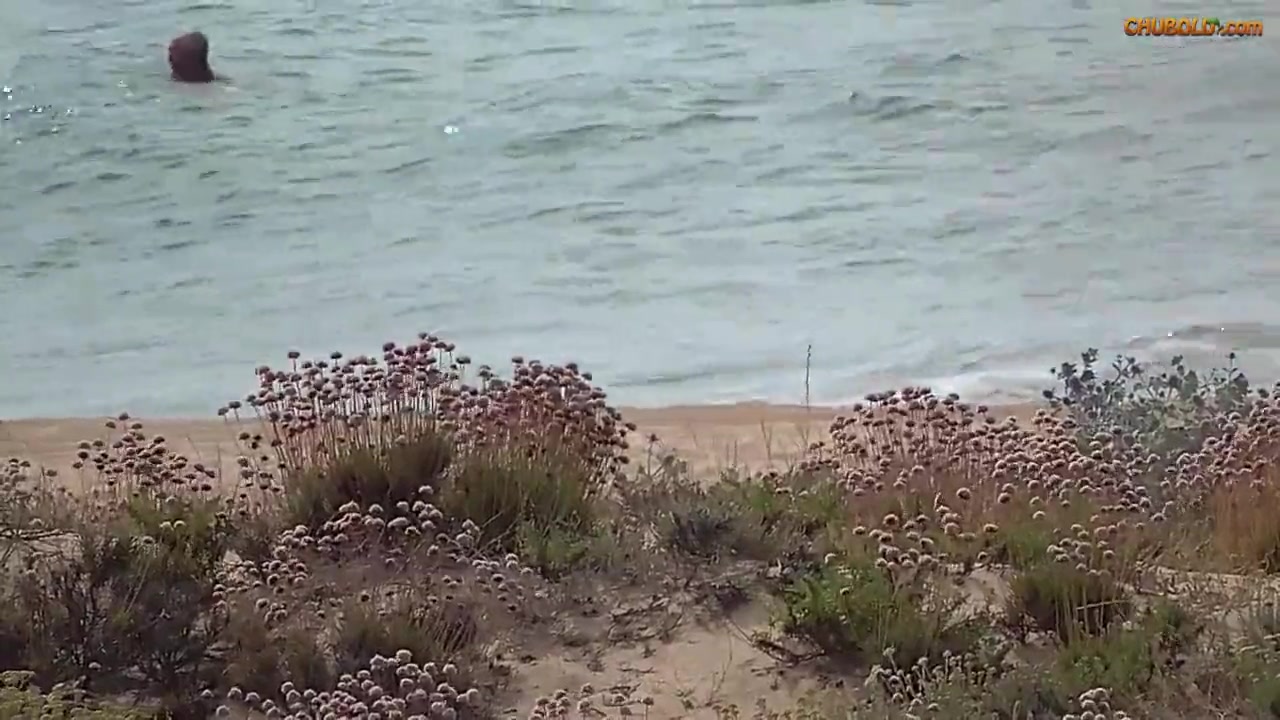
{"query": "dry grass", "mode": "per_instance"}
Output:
(412, 537)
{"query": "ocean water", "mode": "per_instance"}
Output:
(681, 196)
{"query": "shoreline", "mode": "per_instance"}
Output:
(746, 435)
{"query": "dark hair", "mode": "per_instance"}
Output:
(189, 58)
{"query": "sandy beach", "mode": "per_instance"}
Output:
(710, 438)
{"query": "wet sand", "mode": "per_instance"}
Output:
(711, 438)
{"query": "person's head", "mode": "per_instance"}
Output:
(189, 58)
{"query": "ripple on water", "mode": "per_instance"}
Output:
(624, 154)
(408, 165)
(394, 75)
(559, 141)
(293, 31)
(177, 245)
(925, 64)
(704, 119)
(890, 107)
(59, 186)
(551, 50)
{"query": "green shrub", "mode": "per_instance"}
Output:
(553, 552)
(1174, 630)
(131, 606)
(1066, 601)
(260, 657)
(1024, 693)
(432, 629)
(508, 491)
(19, 699)
(381, 475)
(701, 531)
(32, 508)
(1165, 411)
(855, 611)
(1131, 660)
(1256, 666)
(759, 517)
(1022, 544)
(1259, 676)
(1121, 660)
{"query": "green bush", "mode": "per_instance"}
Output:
(131, 606)
(1133, 660)
(1259, 676)
(1120, 660)
(553, 552)
(1066, 601)
(260, 656)
(1165, 411)
(19, 700)
(759, 517)
(383, 475)
(1022, 544)
(975, 693)
(432, 629)
(507, 492)
(854, 610)
(1255, 667)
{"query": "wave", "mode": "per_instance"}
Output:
(890, 107)
(560, 141)
(1021, 376)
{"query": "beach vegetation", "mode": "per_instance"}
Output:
(409, 535)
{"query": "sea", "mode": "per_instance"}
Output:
(700, 201)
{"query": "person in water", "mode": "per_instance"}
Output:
(189, 58)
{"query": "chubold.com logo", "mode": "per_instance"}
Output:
(1191, 27)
